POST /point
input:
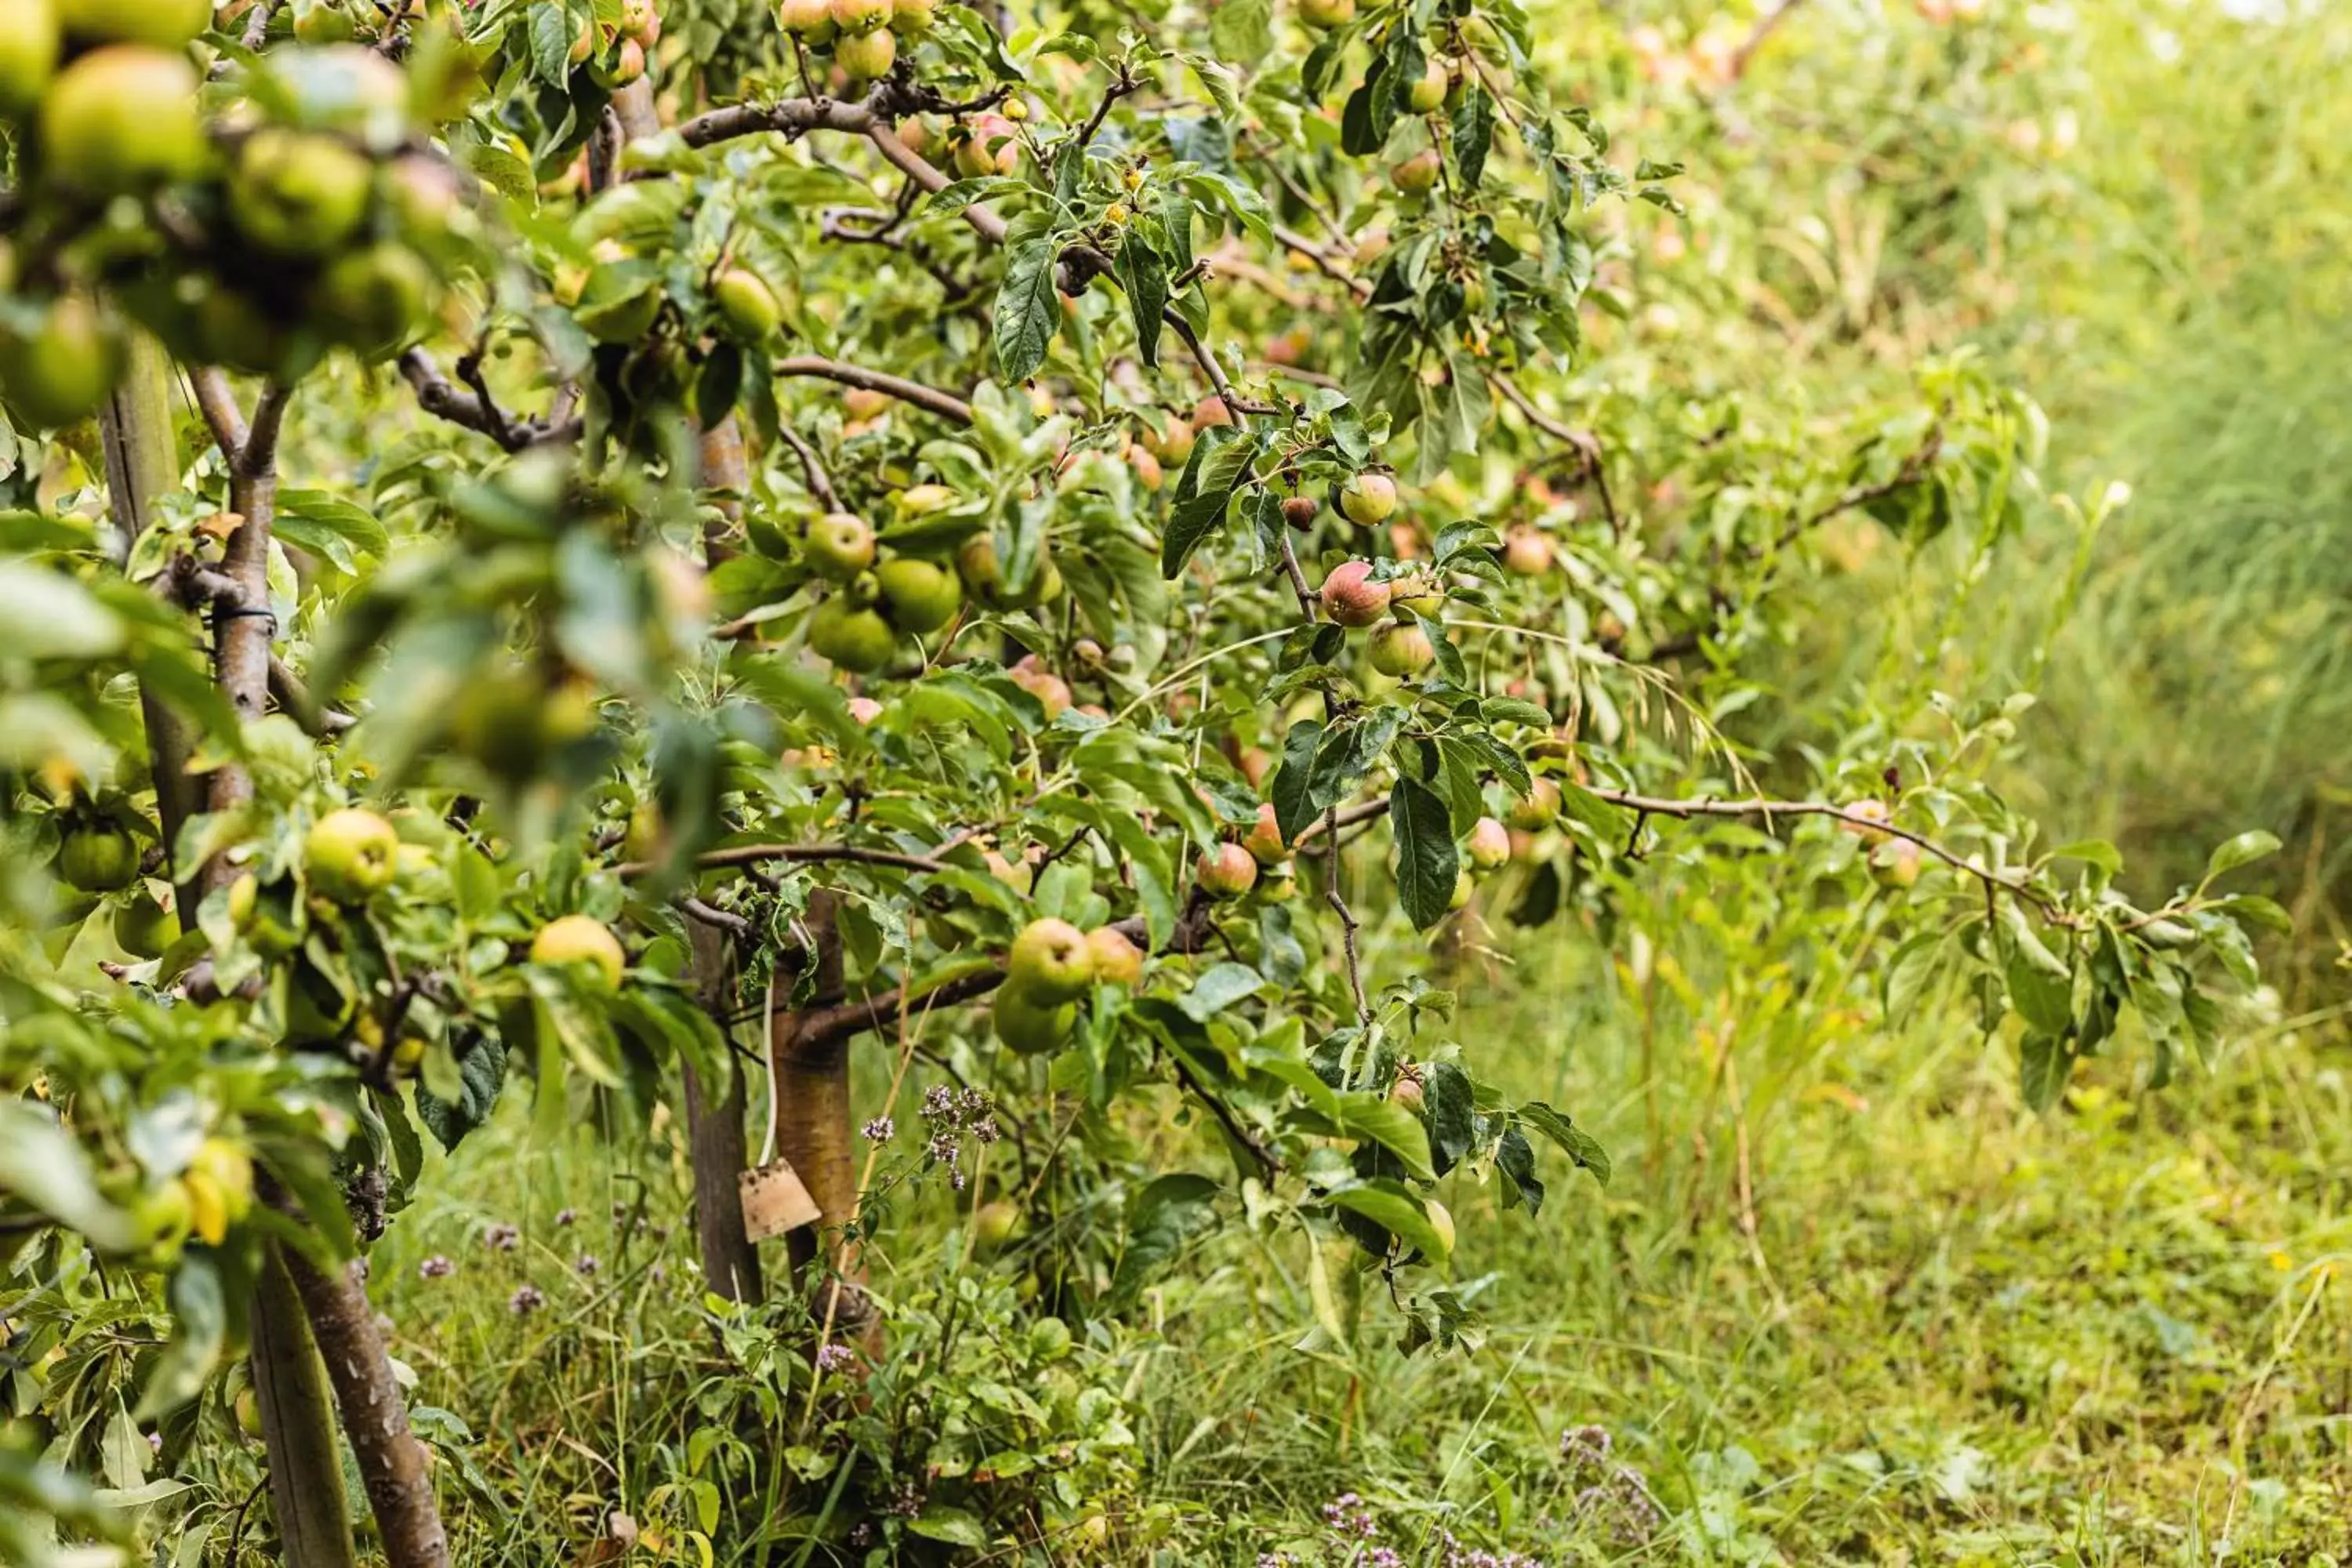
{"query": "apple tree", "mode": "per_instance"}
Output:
(547, 536)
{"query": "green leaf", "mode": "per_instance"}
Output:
(1028, 312)
(41, 1164)
(1293, 798)
(1219, 989)
(1159, 1220)
(2042, 1065)
(1392, 1127)
(1426, 863)
(1388, 1205)
(937, 1521)
(1474, 133)
(481, 1070)
(1209, 481)
(1142, 273)
(199, 1330)
(2243, 850)
(1574, 1141)
(2040, 984)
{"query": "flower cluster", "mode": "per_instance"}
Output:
(1614, 1497)
(950, 1117)
(436, 1268)
(502, 1238)
(526, 1301)
(835, 1358)
(881, 1129)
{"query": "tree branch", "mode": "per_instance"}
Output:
(444, 399)
(820, 484)
(796, 854)
(944, 404)
(217, 403)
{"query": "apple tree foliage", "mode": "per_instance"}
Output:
(542, 531)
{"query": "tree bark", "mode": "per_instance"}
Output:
(715, 1140)
(375, 1415)
(142, 463)
(306, 1486)
(813, 1111)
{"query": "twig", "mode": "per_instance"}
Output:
(798, 854)
(217, 403)
(819, 483)
(1586, 445)
(944, 404)
(288, 691)
(711, 915)
(444, 399)
(1348, 925)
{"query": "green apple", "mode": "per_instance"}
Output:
(29, 47)
(918, 595)
(1032, 1029)
(1367, 498)
(350, 855)
(1538, 809)
(165, 24)
(748, 304)
(996, 1223)
(839, 545)
(850, 636)
(58, 374)
(866, 56)
(98, 859)
(121, 119)
(578, 939)
(1050, 962)
(298, 194)
(1402, 649)
(1489, 844)
(374, 301)
(1429, 90)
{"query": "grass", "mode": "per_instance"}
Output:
(1883, 1316)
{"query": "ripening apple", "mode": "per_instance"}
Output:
(1407, 1093)
(1538, 809)
(1896, 863)
(750, 307)
(918, 596)
(1325, 14)
(1300, 511)
(1401, 649)
(1208, 412)
(1172, 443)
(810, 21)
(629, 64)
(1117, 961)
(1429, 90)
(1028, 1026)
(991, 146)
(1415, 176)
(1352, 598)
(577, 939)
(1527, 553)
(1367, 498)
(849, 635)
(30, 45)
(1859, 818)
(866, 56)
(855, 17)
(1264, 840)
(350, 855)
(163, 23)
(121, 119)
(641, 21)
(298, 194)
(1489, 844)
(1050, 962)
(1227, 871)
(1052, 692)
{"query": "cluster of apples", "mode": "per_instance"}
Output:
(291, 235)
(876, 599)
(862, 37)
(1051, 965)
(1354, 596)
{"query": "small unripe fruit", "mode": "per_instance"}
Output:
(851, 637)
(1463, 887)
(1148, 471)
(1525, 552)
(165, 24)
(373, 301)
(866, 56)
(1401, 649)
(1118, 962)
(839, 545)
(29, 47)
(1367, 498)
(1227, 871)
(641, 22)
(749, 305)
(864, 403)
(350, 855)
(1352, 598)
(918, 595)
(58, 374)
(992, 147)
(1428, 91)
(1300, 512)
(299, 194)
(1417, 173)
(1489, 844)
(1050, 962)
(995, 1224)
(576, 939)
(1538, 809)
(121, 119)
(321, 22)
(912, 18)
(1324, 14)
(1029, 1026)
(629, 64)
(1407, 1092)
(1264, 840)
(98, 859)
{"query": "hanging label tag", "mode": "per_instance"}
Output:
(774, 1201)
